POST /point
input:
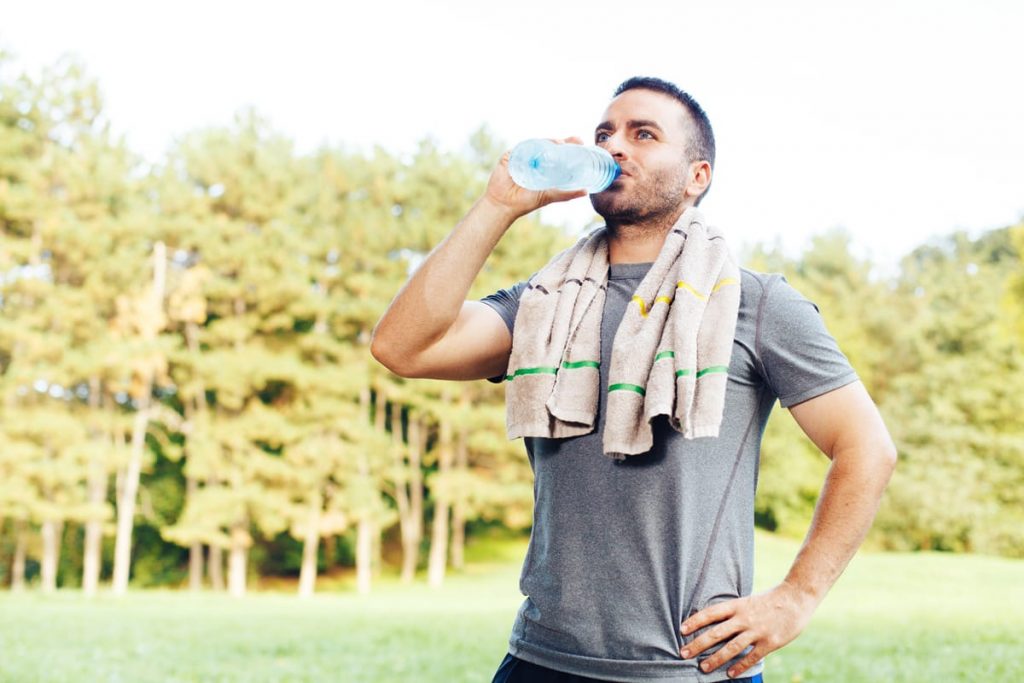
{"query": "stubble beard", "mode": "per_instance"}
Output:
(643, 208)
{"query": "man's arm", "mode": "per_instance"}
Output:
(430, 330)
(846, 426)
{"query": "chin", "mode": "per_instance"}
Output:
(606, 203)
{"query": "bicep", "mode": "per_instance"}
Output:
(843, 419)
(476, 346)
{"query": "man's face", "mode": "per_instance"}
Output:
(647, 133)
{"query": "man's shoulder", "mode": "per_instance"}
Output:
(753, 285)
(756, 276)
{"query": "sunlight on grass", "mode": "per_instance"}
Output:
(891, 617)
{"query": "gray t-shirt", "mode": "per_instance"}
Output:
(619, 551)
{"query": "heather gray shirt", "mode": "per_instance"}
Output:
(619, 552)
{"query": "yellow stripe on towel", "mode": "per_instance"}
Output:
(724, 282)
(643, 305)
(687, 286)
(721, 283)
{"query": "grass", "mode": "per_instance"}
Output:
(891, 617)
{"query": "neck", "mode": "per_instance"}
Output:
(640, 242)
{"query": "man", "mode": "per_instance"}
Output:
(640, 567)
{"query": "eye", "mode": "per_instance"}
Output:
(643, 132)
(601, 137)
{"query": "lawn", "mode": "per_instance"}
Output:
(891, 617)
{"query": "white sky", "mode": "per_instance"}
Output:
(898, 120)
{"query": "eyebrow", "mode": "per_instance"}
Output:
(632, 123)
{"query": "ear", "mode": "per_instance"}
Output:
(699, 178)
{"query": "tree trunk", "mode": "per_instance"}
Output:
(149, 329)
(459, 504)
(417, 447)
(215, 567)
(97, 494)
(307, 575)
(364, 528)
(401, 477)
(439, 532)
(195, 550)
(364, 547)
(380, 424)
(18, 564)
(195, 567)
(93, 532)
(51, 531)
(126, 504)
(237, 560)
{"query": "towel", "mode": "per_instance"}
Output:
(670, 355)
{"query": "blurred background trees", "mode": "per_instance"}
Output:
(187, 396)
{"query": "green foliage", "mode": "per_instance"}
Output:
(934, 348)
(956, 408)
(270, 417)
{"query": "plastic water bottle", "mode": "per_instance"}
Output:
(539, 164)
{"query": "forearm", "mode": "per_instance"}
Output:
(845, 511)
(429, 302)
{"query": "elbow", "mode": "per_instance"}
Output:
(379, 351)
(384, 353)
(892, 456)
(877, 455)
(887, 451)
(886, 457)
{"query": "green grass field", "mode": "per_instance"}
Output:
(891, 617)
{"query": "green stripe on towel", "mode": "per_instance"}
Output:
(552, 371)
(627, 387)
(531, 371)
(713, 369)
(581, 364)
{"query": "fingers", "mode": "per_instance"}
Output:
(718, 612)
(752, 658)
(727, 652)
(710, 637)
(505, 192)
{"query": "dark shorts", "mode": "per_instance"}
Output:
(515, 670)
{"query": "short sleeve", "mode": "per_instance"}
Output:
(506, 303)
(800, 358)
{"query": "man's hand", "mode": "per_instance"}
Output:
(768, 620)
(503, 192)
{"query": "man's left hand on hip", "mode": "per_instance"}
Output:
(767, 620)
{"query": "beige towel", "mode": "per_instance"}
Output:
(670, 355)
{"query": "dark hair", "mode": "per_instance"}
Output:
(702, 139)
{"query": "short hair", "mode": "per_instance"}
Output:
(701, 145)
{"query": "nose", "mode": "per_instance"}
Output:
(613, 144)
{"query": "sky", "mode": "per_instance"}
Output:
(897, 120)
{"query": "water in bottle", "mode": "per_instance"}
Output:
(539, 164)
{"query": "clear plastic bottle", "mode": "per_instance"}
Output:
(539, 164)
